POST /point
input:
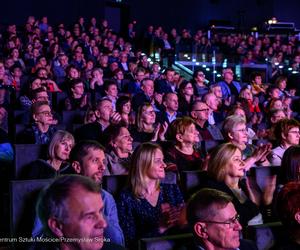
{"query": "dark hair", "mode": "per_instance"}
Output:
(290, 165)
(36, 105)
(111, 133)
(122, 100)
(36, 91)
(205, 204)
(283, 126)
(74, 82)
(80, 150)
(288, 204)
(109, 83)
(51, 201)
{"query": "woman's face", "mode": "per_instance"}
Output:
(63, 149)
(293, 136)
(123, 142)
(191, 135)
(188, 90)
(236, 166)
(239, 134)
(126, 108)
(91, 116)
(148, 115)
(157, 170)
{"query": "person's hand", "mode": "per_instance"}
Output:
(261, 152)
(115, 118)
(227, 101)
(169, 217)
(269, 190)
(156, 131)
(162, 131)
(253, 190)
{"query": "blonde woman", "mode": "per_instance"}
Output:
(148, 208)
(57, 163)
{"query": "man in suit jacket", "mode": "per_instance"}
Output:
(215, 222)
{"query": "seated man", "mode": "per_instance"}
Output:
(71, 210)
(288, 208)
(87, 158)
(215, 222)
(169, 114)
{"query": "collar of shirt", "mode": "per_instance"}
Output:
(171, 117)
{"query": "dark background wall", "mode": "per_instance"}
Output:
(177, 13)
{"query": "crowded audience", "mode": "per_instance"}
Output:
(104, 109)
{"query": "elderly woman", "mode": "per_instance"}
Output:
(235, 131)
(184, 134)
(57, 162)
(225, 170)
(43, 128)
(148, 208)
(287, 133)
(118, 142)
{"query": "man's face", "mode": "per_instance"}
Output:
(171, 103)
(93, 164)
(85, 219)
(201, 112)
(78, 89)
(224, 236)
(148, 87)
(218, 92)
(170, 76)
(213, 103)
(105, 110)
(228, 75)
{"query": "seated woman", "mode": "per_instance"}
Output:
(183, 132)
(235, 131)
(224, 172)
(146, 129)
(123, 107)
(185, 97)
(148, 208)
(118, 144)
(57, 162)
(43, 128)
(287, 133)
(290, 165)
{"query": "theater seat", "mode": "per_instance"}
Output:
(23, 195)
(261, 174)
(26, 153)
(189, 181)
(71, 117)
(166, 243)
(114, 183)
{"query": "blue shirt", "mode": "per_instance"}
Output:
(113, 230)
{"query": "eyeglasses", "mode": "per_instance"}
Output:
(231, 222)
(294, 132)
(201, 110)
(149, 112)
(46, 113)
(241, 130)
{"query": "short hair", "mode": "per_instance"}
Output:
(204, 205)
(111, 133)
(36, 106)
(52, 199)
(283, 126)
(34, 92)
(179, 126)
(97, 69)
(81, 149)
(290, 165)
(74, 82)
(59, 136)
(230, 123)
(99, 103)
(219, 159)
(254, 75)
(142, 160)
(288, 204)
(146, 79)
(280, 79)
(195, 103)
(109, 83)
(121, 101)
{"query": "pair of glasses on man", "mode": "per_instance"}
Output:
(231, 222)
